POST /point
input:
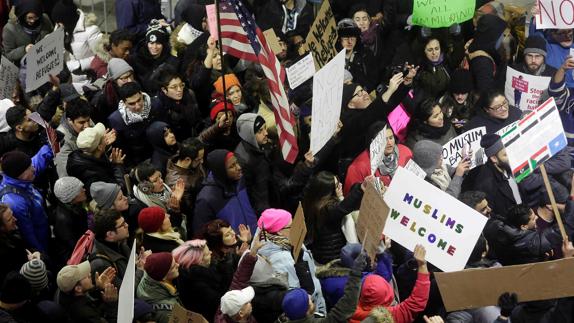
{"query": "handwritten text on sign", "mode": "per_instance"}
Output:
(8, 78)
(555, 14)
(322, 36)
(423, 214)
(442, 13)
(464, 144)
(45, 58)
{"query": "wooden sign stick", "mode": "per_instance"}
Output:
(553, 202)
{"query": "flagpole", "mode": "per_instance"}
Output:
(221, 55)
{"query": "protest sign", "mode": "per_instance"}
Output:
(298, 232)
(531, 282)
(423, 214)
(327, 97)
(8, 78)
(181, 315)
(524, 91)
(442, 13)
(272, 41)
(465, 144)
(45, 58)
(555, 14)
(534, 139)
(399, 120)
(301, 71)
(372, 216)
(212, 20)
(322, 36)
(415, 169)
(127, 290)
(377, 150)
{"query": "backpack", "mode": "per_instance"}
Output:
(83, 248)
(468, 57)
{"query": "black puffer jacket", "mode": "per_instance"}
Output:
(200, 289)
(70, 222)
(89, 169)
(182, 116)
(145, 65)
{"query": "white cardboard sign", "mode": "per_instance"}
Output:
(555, 14)
(8, 78)
(423, 214)
(465, 144)
(327, 98)
(45, 58)
(377, 150)
(127, 290)
(301, 71)
(524, 91)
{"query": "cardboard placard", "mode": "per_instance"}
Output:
(45, 58)
(298, 232)
(272, 41)
(181, 315)
(534, 139)
(127, 290)
(377, 150)
(327, 98)
(464, 144)
(212, 20)
(423, 214)
(442, 13)
(301, 71)
(322, 36)
(8, 78)
(474, 288)
(371, 223)
(555, 14)
(524, 91)
(414, 168)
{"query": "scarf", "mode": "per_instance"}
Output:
(390, 163)
(431, 132)
(369, 37)
(32, 32)
(154, 199)
(281, 241)
(170, 236)
(441, 178)
(440, 60)
(131, 117)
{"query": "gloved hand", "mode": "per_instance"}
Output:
(360, 262)
(507, 302)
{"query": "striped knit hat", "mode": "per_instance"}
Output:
(35, 272)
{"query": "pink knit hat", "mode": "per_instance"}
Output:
(273, 220)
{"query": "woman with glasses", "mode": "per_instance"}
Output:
(493, 112)
(429, 123)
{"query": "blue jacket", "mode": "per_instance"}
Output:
(135, 15)
(28, 207)
(218, 202)
(565, 103)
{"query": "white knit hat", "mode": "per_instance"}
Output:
(67, 188)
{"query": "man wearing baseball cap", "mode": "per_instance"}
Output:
(77, 293)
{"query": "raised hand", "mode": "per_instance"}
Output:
(107, 277)
(244, 233)
(117, 157)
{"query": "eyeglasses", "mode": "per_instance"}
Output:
(179, 86)
(123, 224)
(361, 91)
(501, 107)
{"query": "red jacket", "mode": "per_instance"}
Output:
(377, 291)
(361, 168)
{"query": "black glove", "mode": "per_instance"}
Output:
(507, 302)
(360, 262)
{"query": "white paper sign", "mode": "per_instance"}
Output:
(465, 144)
(524, 91)
(423, 214)
(415, 169)
(555, 14)
(377, 150)
(327, 98)
(127, 290)
(534, 139)
(301, 71)
(8, 78)
(45, 58)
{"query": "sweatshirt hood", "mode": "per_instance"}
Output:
(246, 124)
(488, 31)
(216, 164)
(156, 133)
(376, 291)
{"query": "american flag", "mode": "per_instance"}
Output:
(241, 38)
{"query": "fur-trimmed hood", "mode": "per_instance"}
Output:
(381, 315)
(101, 50)
(332, 269)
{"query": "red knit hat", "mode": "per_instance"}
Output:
(219, 107)
(157, 265)
(150, 219)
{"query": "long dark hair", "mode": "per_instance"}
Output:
(319, 193)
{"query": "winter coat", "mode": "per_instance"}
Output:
(183, 117)
(88, 308)
(555, 53)
(9, 142)
(105, 102)
(159, 295)
(135, 15)
(145, 65)
(15, 39)
(378, 292)
(155, 134)
(271, 14)
(200, 289)
(328, 238)
(488, 73)
(101, 57)
(157, 243)
(416, 135)
(12, 251)
(565, 103)
(85, 39)
(28, 204)
(240, 281)
(492, 124)
(89, 169)
(282, 262)
(345, 306)
(70, 223)
(67, 146)
(363, 67)
(193, 179)
(361, 168)
(110, 254)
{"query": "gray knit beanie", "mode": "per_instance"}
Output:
(35, 272)
(117, 67)
(104, 194)
(67, 188)
(426, 154)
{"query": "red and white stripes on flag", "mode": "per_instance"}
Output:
(241, 38)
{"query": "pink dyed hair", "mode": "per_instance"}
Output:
(189, 253)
